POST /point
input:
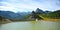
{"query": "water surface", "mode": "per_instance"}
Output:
(31, 25)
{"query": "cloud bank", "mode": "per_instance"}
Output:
(29, 5)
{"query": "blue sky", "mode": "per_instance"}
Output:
(29, 5)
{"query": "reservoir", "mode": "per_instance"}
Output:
(31, 25)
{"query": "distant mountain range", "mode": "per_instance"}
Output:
(20, 15)
(12, 15)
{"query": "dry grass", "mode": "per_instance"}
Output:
(52, 20)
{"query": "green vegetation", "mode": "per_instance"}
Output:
(53, 15)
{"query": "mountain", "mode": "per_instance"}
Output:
(35, 14)
(10, 15)
(14, 16)
(54, 14)
(39, 11)
(25, 15)
(47, 12)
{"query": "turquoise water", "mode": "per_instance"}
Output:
(31, 25)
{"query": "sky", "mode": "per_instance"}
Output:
(29, 5)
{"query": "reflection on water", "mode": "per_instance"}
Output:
(31, 25)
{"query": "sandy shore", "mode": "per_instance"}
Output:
(52, 20)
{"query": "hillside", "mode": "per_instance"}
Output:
(14, 16)
(53, 15)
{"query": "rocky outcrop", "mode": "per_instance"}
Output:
(4, 20)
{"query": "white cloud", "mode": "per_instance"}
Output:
(29, 5)
(7, 7)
